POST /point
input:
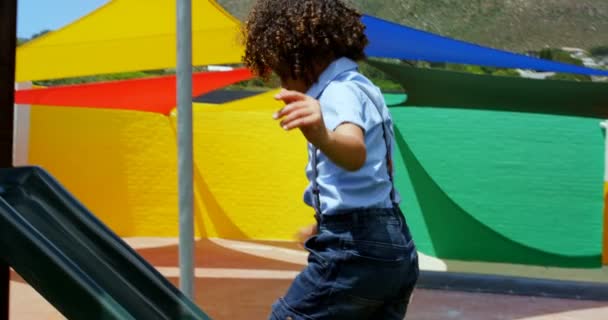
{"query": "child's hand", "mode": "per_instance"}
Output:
(305, 233)
(302, 112)
(345, 146)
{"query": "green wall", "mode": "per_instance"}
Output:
(502, 186)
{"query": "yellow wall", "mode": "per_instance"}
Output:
(249, 173)
(120, 164)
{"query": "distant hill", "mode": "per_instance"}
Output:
(516, 25)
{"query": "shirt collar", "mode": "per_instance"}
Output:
(330, 73)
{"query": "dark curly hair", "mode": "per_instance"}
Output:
(291, 37)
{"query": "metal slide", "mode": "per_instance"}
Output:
(73, 260)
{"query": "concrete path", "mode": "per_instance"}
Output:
(240, 280)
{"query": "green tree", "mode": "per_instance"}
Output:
(569, 77)
(599, 51)
(559, 55)
(506, 73)
(41, 33)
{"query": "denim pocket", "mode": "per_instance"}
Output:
(315, 246)
(312, 283)
(283, 311)
(350, 307)
(374, 271)
(375, 252)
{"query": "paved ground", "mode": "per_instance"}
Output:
(240, 280)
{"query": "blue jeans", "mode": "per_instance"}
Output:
(362, 264)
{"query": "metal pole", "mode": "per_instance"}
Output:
(8, 39)
(184, 145)
(604, 126)
(21, 132)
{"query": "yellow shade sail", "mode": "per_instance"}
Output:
(129, 35)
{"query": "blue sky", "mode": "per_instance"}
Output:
(36, 15)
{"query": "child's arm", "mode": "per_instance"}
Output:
(305, 233)
(345, 146)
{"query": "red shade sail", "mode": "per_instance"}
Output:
(150, 94)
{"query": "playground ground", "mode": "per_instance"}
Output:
(240, 280)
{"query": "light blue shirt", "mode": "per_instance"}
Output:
(346, 96)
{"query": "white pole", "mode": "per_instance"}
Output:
(21, 130)
(184, 144)
(604, 125)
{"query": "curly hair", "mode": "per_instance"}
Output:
(290, 37)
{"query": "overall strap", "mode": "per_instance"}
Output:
(316, 192)
(386, 133)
